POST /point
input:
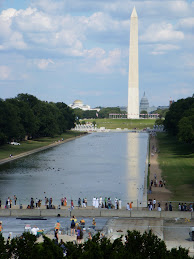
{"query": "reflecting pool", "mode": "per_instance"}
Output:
(109, 164)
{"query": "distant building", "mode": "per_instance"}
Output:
(78, 104)
(171, 102)
(162, 107)
(144, 104)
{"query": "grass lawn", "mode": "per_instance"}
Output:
(123, 123)
(177, 163)
(25, 146)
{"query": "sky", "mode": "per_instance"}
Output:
(63, 50)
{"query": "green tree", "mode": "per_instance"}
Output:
(144, 112)
(49, 249)
(178, 110)
(161, 112)
(104, 112)
(136, 246)
(26, 115)
(186, 129)
(159, 121)
(3, 248)
(23, 247)
(78, 113)
(89, 114)
(10, 124)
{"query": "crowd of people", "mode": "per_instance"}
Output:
(77, 228)
(154, 182)
(9, 201)
(106, 203)
(97, 203)
(168, 206)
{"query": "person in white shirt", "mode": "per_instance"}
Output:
(127, 207)
(154, 203)
(34, 230)
(120, 206)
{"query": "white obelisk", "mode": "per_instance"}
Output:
(133, 82)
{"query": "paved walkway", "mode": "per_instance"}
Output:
(158, 193)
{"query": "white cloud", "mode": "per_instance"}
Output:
(162, 32)
(95, 53)
(48, 5)
(178, 7)
(33, 20)
(10, 38)
(187, 22)
(43, 63)
(65, 34)
(4, 72)
(160, 49)
(100, 21)
(105, 65)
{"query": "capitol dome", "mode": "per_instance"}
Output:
(144, 104)
(78, 102)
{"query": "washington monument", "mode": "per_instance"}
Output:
(133, 81)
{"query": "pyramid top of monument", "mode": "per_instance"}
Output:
(134, 13)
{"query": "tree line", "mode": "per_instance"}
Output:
(136, 246)
(25, 116)
(179, 120)
(103, 113)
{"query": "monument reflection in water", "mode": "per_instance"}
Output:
(137, 171)
(99, 164)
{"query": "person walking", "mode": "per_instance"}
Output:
(57, 225)
(56, 236)
(73, 221)
(105, 202)
(72, 206)
(83, 203)
(93, 223)
(154, 203)
(79, 202)
(115, 203)
(79, 235)
(127, 207)
(120, 206)
(131, 205)
(15, 199)
(86, 202)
